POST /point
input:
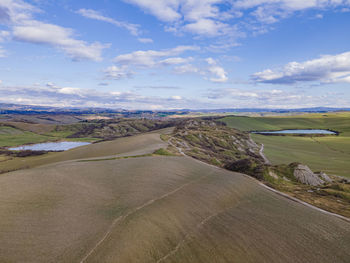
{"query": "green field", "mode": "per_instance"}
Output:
(31, 134)
(155, 209)
(10, 136)
(329, 153)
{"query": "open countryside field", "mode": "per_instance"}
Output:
(156, 209)
(330, 154)
(10, 136)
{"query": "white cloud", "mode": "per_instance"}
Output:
(291, 4)
(52, 95)
(153, 58)
(176, 97)
(15, 11)
(169, 57)
(327, 68)
(4, 35)
(165, 10)
(92, 14)
(158, 87)
(70, 91)
(213, 18)
(200, 17)
(235, 93)
(281, 99)
(145, 40)
(117, 73)
(146, 60)
(207, 27)
(174, 61)
(18, 15)
(40, 33)
(271, 11)
(187, 68)
(218, 71)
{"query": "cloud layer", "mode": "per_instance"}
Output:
(326, 69)
(18, 16)
(52, 95)
(149, 59)
(275, 98)
(93, 14)
(213, 18)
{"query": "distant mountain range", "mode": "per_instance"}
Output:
(6, 108)
(315, 109)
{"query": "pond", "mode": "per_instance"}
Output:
(310, 131)
(49, 146)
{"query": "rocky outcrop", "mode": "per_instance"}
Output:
(273, 174)
(324, 177)
(304, 175)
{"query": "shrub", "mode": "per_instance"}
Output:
(162, 151)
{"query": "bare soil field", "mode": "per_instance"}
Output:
(156, 209)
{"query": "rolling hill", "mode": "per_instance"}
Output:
(155, 209)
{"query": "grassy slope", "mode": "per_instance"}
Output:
(335, 121)
(171, 206)
(10, 136)
(329, 153)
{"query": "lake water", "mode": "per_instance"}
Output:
(50, 146)
(297, 132)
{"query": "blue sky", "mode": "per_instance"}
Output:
(173, 54)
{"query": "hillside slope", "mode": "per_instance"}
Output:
(327, 153)
(157, 209)
(138, 144)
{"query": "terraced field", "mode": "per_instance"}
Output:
(156, 209)
(329, 153)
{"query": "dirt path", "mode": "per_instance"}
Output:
(304, 203)
(261, 152)
(186, 237)
(200, 224)
(118, 219)
(178, 148)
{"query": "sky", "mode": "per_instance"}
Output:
(175, 54)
